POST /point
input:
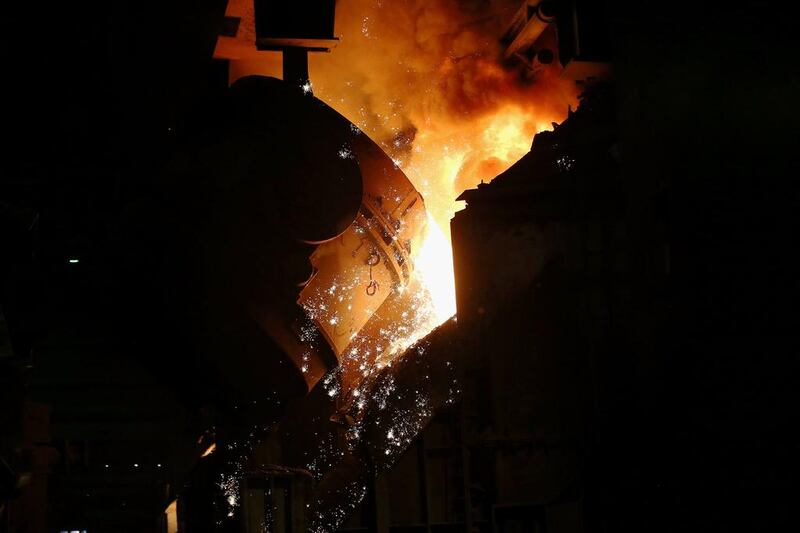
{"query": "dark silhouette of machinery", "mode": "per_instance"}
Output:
(307, 227)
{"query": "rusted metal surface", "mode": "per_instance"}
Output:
(356, 272)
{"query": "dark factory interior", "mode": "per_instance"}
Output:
(397, 266)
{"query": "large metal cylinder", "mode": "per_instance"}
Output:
(307, 227)
(527, 26)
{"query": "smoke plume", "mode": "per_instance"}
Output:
(425, 80)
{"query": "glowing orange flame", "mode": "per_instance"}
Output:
(422, 78)
(442, 166)
(434, 268)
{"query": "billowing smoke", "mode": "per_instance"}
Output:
(424, 79)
